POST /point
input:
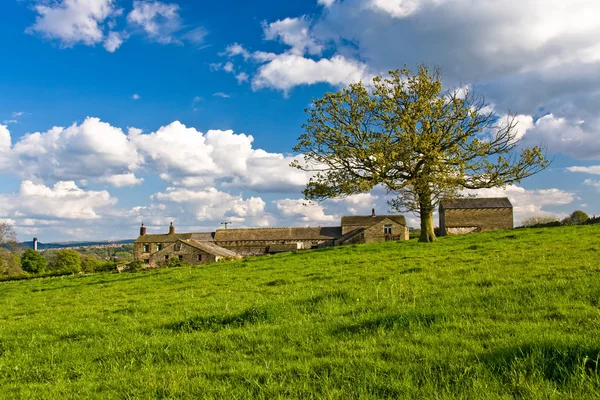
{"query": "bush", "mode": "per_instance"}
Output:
(173, 263)
(539, 221)
(33, 262)
(576, 218)
(10, 263)
(65, 261)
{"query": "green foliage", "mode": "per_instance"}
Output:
(91, 264)
(65, 261)
(414, 139)
(33, 262)
(10, 263)
(538, 221)
(576, 218)
(499, 315)
(173, 263)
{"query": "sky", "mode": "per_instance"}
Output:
(118, 112)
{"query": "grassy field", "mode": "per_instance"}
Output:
(510, 314)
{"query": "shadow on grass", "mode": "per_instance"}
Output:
(215, 323)
(389, 322)
(554, 362)
(312, 304)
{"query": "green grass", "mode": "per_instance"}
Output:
(510, 314)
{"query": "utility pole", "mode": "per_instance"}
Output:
(225, 223)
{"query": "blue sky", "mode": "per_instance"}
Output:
(114, 112)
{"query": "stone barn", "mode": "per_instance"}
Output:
(468, 215)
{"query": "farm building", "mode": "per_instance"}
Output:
(468, 215)
(205, 247)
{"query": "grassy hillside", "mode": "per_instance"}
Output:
(496, 315)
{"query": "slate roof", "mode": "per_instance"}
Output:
(211, 248)
(166, 238)
(254, 234)
(474, 203)
(163, 238)
(367, 221)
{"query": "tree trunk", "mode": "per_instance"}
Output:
(426, 211)
(427, 233)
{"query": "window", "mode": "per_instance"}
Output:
(159, 247)
(146, 261)
(180, 258)
(146, 248)
(166, 257)
(199, 257)
(387, 229)
(177, 246)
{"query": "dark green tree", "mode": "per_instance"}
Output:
(33, 262)
(415, 139)
(67, 261)
(577, 217)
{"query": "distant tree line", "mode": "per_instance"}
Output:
(577, 217)
(18, 264)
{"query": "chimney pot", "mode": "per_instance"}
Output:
(35, 243)
(171, 229)
(142, 230)
(373, 212)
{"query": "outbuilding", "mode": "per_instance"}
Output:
(468, 215)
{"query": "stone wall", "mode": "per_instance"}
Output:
(376, 232)
(488, 219)
(186, 254)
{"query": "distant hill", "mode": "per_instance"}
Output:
(62, 245)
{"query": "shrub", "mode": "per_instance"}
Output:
(576, 218)
(539, 221)
(10, 263)
(65, 261)
(173, 263)
(33, 262)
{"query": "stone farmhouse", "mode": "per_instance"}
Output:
(468, 215)
(206, 247)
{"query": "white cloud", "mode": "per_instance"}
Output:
(5, 149)
(212, 205)
(136, 96)
(159, 20)
(228, 67)
(92, 149)
(593, 169)
(289, 70)
(294, 32)
(326, 3)
(590, 182)
(122, 180)
(242, 77)
(18, 114)
(561, 135)
(221, 94)
(9, 121)
(113, 41)
(62, 201)
(303, 210)
(73, 21)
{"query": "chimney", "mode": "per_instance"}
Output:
(142, 230)
(171, 229)
(372, 212)
(35, 243)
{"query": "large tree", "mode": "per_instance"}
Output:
(406, 133)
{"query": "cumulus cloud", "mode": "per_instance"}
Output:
(65, 200)
(303, 210)
(577, 138)
(113, 41)
(212, 205)
(592, 183)
(159, 20)
(92, 149)
(294, 32)
(122, 180)
(593, 169)
(290, 70)
(73, 21)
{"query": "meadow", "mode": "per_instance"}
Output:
(501, 315)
